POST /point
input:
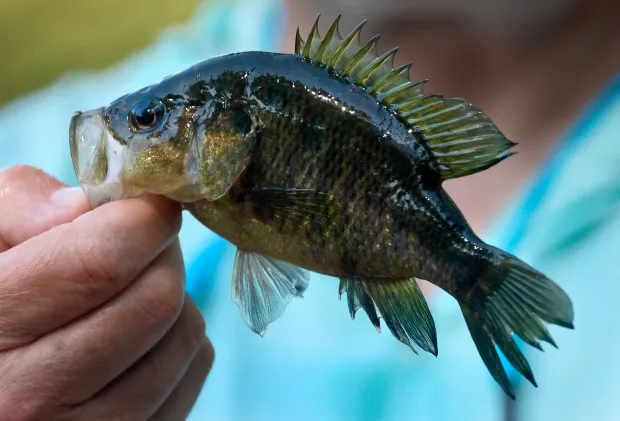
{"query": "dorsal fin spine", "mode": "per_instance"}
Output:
(299, 44)
(345, 44)
(385, 80)
(404, 104)
(327, 40)
(382, 96)
(365, 75)
(374, 65)
(357, 58)
(314, 32)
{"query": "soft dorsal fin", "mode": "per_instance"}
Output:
(463, 139)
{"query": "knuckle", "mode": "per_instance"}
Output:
(96, 262)
(196, 325)
(93, 266)
(206, 350)
(206, 356)
(165, 299)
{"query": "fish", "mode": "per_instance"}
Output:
(328, 160)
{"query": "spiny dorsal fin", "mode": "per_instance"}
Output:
(462, 138)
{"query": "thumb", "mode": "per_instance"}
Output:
(32, 202)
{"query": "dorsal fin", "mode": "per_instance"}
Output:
(463, 139)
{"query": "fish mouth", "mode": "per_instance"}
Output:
(97, 158)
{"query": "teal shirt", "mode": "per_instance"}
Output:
(315, 363)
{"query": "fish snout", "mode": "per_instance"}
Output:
(97, 157)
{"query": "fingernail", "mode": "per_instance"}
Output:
(68, 196)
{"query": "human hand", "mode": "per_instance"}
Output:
(94, 320)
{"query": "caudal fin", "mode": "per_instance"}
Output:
(513, 298)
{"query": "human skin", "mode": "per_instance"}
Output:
(94, 319)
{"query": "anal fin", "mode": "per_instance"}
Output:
(400, 303)
(358, 298)
(262, 288)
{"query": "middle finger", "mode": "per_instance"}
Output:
(141, 390)
(91, 352)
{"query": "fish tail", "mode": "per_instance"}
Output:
(513, 298)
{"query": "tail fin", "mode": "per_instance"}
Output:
(513, 298)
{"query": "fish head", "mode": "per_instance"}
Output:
(144, 142)
(188, 137)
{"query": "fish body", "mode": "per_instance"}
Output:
(371, 171)
(328, 160)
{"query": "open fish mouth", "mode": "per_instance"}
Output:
(97, 158)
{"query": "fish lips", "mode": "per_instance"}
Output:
(97, 157)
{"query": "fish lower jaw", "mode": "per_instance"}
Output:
(111, 189)
(103, 193)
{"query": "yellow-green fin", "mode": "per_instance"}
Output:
(463, 139)
(400, 303)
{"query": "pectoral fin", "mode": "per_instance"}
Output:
(293, 208)
(263, 287)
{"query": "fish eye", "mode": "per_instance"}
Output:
(147, 115)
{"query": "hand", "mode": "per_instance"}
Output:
(94, 320)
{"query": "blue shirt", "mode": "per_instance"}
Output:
(314, 363)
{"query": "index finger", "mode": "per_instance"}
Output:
(51, 279)
(27, 207)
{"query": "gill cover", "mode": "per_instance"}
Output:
(225, 147)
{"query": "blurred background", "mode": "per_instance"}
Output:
(546, 71)
(48, 39)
